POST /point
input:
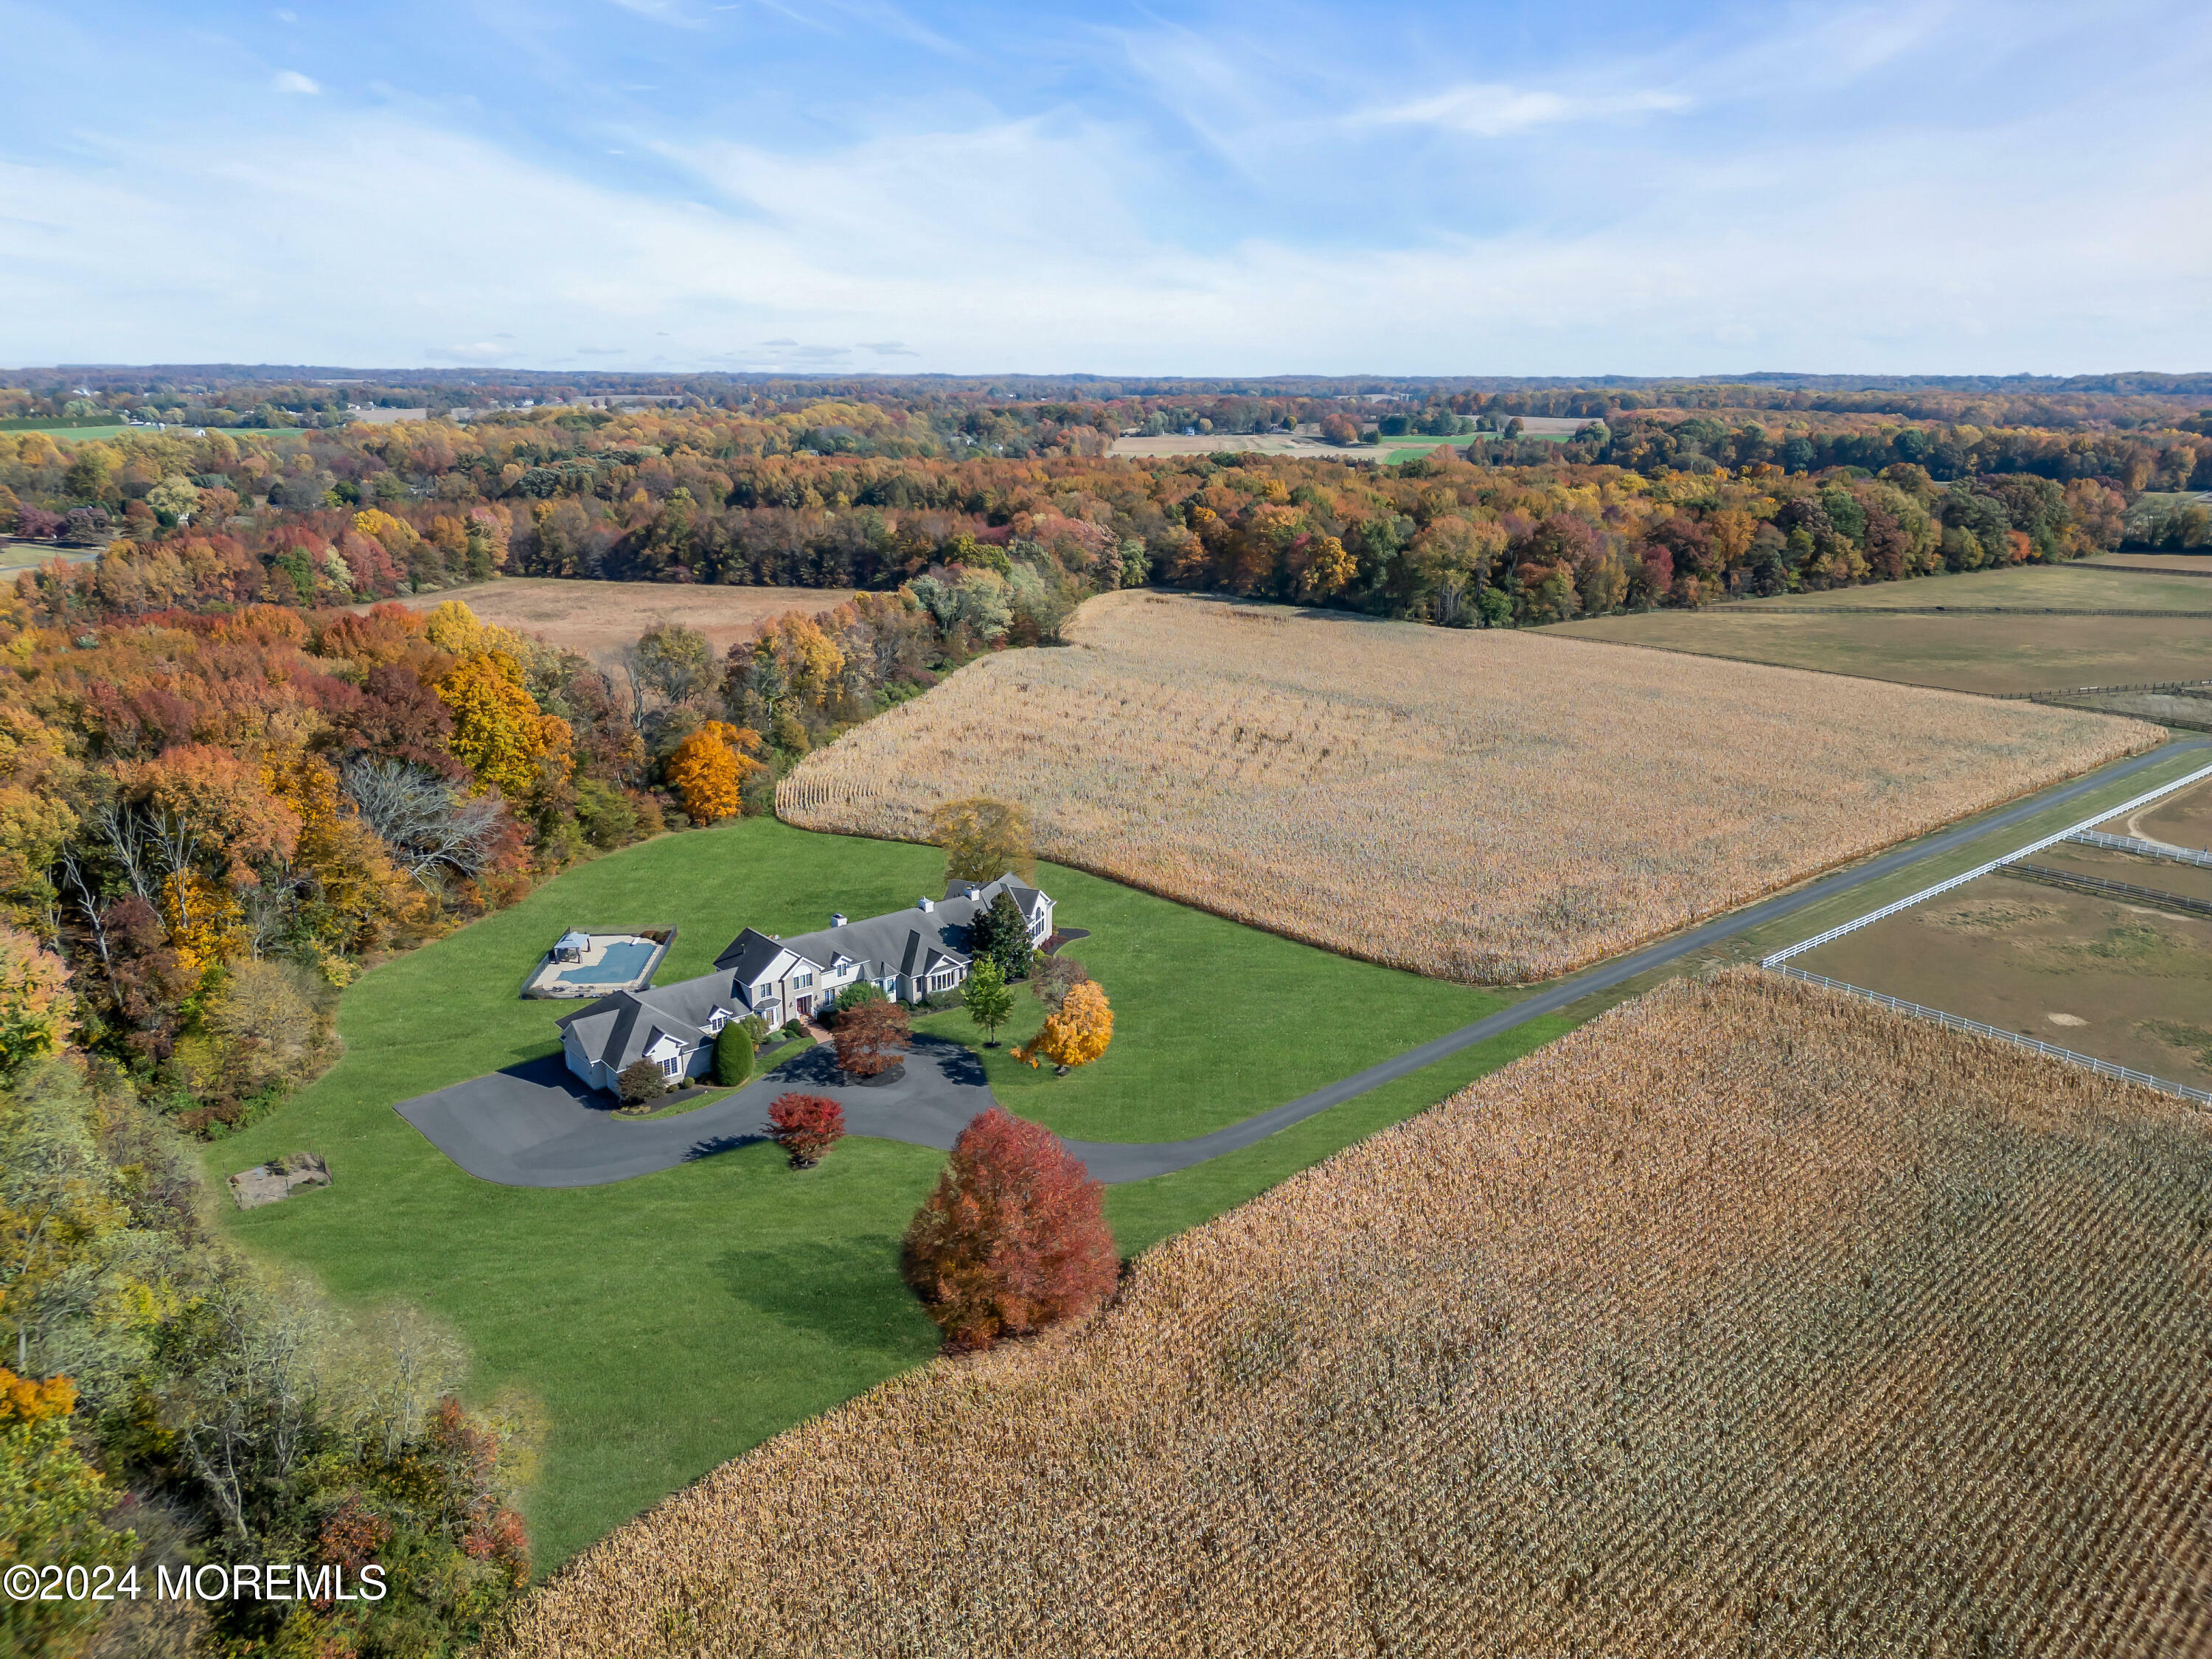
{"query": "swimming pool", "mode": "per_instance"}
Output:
(622, 963)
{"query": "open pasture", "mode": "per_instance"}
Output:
(1490, 806)
(2114, 977)
(1750, 1319)
(596, 619)
(2183, 818)
(2079, 587)
(2007, 653)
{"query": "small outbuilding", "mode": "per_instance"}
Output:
(571, 946)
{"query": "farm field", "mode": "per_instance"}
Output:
(2180, 564)
(596, 619)
(2097, 587)
(2183, 818)
(2109, 977)
(1492, 805)
(670, 1322)
(2013, 654)
(1748, 1319)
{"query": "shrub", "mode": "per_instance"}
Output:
(858, 994)
(1012, 1238)
(755, 1028)
(872, 1038)
(1052, 978)
(640, 1081)
(807, 1127)
(733, 1054)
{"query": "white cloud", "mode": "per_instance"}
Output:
(889, 348)
(482, 351)
(1488, 110)
(293, 81)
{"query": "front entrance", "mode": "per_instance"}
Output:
(805, 1006)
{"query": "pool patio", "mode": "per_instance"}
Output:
(586, 965)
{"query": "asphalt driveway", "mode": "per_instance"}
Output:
(534, 1125)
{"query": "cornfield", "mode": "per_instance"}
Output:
(1746, 1319)
(1486, 806)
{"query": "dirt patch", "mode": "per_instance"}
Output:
(2127, 984)
(597, 619)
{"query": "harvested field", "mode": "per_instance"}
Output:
(1487, 806)
(1748, 1319)
(2114, 977)
(597, 619)
(2019, 653)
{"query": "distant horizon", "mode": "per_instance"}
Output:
(1778, 378)
(662, 186)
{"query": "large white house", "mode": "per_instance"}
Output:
(909, 955)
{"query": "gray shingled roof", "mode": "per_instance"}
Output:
(912, 942)
(620, 1027)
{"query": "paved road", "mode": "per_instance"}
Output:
(536, 1125)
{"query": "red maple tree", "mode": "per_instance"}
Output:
(807, 1127)
(1014, 1236)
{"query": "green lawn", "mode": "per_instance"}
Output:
(1212, 1021)
(668, 1323)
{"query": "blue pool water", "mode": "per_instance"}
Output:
(621, 964)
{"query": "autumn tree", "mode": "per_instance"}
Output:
(1012, 1238)
(35, 1004)
(710, 767)
(983, 839)
(988, 1001)
(807, 1127)
(52, 1506)
(1054, 977)
(872, 1038)
(1078, 1033)
(499, 732)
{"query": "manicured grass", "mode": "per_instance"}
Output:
(1144, 1211)
(1212, 1021)
(670, 1322)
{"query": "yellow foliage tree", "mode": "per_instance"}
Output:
(809, 658)
(376, 522)
(454, 627)
(708, 769)
(1080, 1032)
(35, 1004)
(498, 733)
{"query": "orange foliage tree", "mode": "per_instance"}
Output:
(710, 767)
(1012, 1238)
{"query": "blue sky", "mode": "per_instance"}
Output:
(1475, 188)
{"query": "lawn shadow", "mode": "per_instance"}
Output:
(846, 1292)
